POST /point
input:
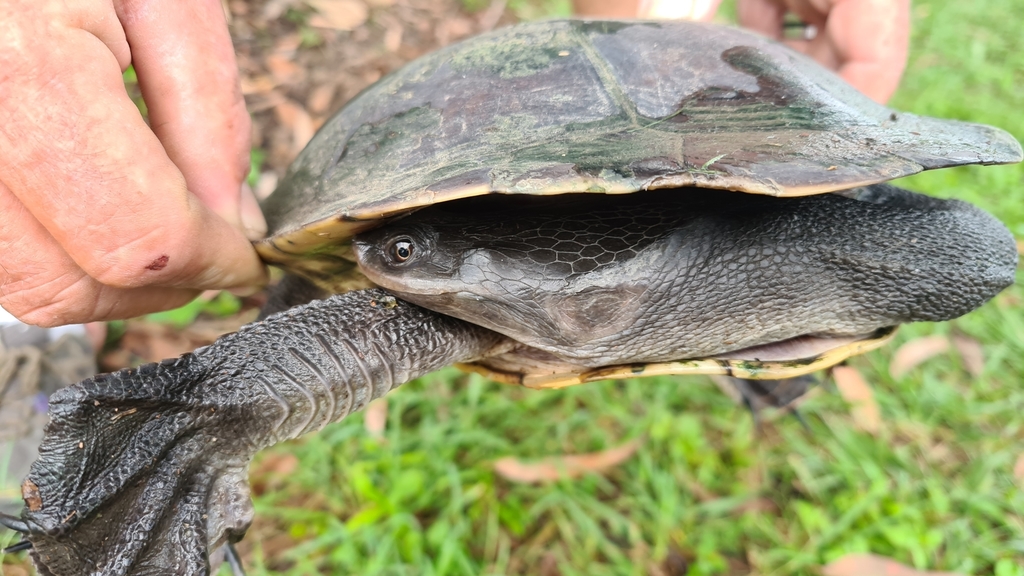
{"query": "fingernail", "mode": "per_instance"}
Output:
(254, 226)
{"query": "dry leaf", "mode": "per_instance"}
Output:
(1020, 247)
(280, 463)
(872, 565)
(259, 84)
(856, 391)
(274, 9)
(295, 117)
(320, 98)
(757, 505)
(14, 570)
(971, 354)
(271, 471)
(548, 565)
(453, 29)
(393, 37)
(568, 466)
(339, 14)
(1018, 469)
(916, 352)
(288, 44)
(376, 417)
(282, 68)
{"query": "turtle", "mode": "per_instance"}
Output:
(548, 204)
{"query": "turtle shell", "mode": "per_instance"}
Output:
(595, 106)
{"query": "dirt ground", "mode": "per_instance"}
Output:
(301, 61)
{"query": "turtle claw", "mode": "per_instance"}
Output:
(13, 523)
(233, 559)
(17, 525)
(19, 547)
(758, 395)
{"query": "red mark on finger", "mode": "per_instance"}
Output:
(158, 264)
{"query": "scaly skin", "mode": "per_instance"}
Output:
(144, 471)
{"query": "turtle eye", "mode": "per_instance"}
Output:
(401, 250)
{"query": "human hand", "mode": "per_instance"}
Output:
(865, 41)
(103, 216)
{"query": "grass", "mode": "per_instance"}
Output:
(934, 489)
(702, 495)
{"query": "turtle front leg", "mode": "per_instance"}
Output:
(144, 471)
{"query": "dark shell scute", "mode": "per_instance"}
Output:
(601, 107)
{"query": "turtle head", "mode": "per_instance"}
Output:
(471, 261)
(409, 256)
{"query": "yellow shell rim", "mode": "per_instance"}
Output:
(750, 369)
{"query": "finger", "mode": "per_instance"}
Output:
(695, 10)
(186, 67)
(40, 284)
(83, 162)
(865, 41)
(763, 16)
(871, 40)
(606, 8)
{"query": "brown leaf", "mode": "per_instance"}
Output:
(757, 505)
(292, 115)
(568, 466)
(914, 353)
(271, 471)
(971, 354)
(274, 9)
(1018, 469)
(283, 69)
(320, 98)
(393, 37)
(376, 417)
(855, 390)
(14, 570)
(548, 565)
(287, 45)
(872, 565)
(1020, 247)
(280, 463)
(339, 14)
(258, 84)
(452, 29)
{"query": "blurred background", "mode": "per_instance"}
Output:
(913, 454)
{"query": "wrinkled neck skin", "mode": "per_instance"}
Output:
(686, 273)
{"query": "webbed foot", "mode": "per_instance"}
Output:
(144, 471)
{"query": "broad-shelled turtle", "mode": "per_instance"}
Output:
(551, 203)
